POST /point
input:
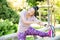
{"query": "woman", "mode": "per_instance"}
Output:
(24, 28)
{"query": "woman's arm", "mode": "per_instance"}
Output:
(42, 23)
(39, 22)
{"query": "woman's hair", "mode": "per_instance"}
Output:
(35, 8)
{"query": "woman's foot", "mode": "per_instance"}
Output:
(51, 31)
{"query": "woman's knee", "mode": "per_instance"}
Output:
(21, 36)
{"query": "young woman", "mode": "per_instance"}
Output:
(27, 17)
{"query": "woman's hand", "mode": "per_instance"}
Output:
(42, 24)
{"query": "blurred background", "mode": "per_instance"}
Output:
(10, 9)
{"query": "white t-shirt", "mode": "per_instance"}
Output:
(23, 27)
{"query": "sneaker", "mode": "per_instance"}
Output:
(51, 31)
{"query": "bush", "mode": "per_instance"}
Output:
(7, 13)
(7, 27)
(10, 19)
(33, 2)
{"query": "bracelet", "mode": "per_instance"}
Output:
(45, 24)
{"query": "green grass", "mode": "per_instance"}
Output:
(29, 38)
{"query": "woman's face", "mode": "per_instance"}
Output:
(31, 11)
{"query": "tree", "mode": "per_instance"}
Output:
(7, 13)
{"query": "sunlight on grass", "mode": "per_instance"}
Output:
(29, 38)
(57, 32)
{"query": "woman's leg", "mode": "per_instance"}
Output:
(21, 36)
(32, 31)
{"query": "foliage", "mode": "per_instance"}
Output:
(7, 27)
(57, 15)
(8, 13)
(10, 19)
(43, 14)
(33, 2)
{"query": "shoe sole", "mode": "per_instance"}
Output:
(53, 31)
